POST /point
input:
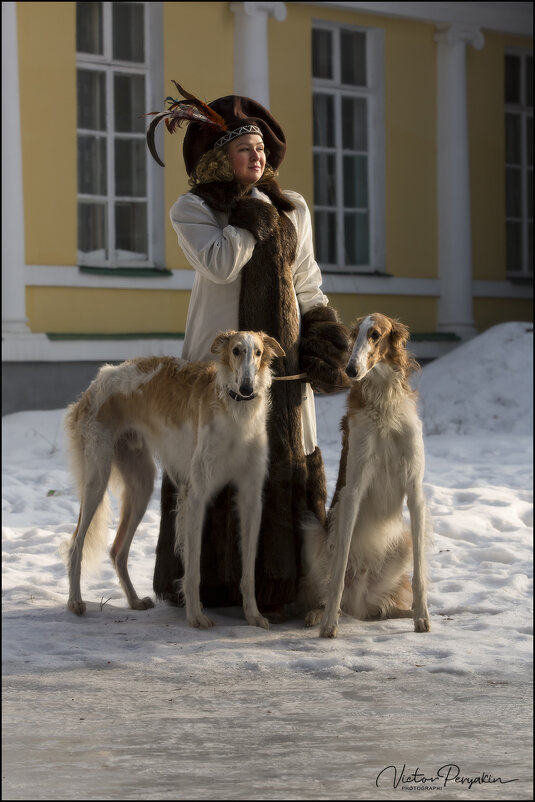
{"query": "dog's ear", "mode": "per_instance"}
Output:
(221, 341)
(271, 345)
(399, 334)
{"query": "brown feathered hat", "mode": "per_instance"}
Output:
(214, 124)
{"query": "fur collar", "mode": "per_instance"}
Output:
(222, 195)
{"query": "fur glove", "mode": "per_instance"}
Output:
(256, 216)
(324, 349)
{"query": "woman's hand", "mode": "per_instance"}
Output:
(324, 349)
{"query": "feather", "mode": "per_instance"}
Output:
(150, 136)
(191, 109)
(212, 115)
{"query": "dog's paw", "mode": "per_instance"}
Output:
(313, 617)
(77, 607)
(142, 604)
(258, 621)
(422, 625)
(329, 631)
(201, 621)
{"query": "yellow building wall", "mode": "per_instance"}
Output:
(47, 64)
(198, 54)
(290, 84)
(71, 310)
(410, 132)
(47, 75)
(419, 313)
(492, 311)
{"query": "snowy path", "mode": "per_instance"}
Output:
(158, 733)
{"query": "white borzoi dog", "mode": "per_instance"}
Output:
(206, 424)
(361, 564)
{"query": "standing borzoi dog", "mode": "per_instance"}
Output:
(205, 422)
(367, 553)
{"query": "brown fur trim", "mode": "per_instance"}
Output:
(323, 322)
(275, 194)
(319, 314)
(220, 195)
(324, 349)
(323, 378)
(256, 216)
(267, 302)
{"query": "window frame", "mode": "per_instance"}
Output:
(151, 69)
(524, 112)
(373, 92)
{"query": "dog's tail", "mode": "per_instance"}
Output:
(97, 534)
(315, 564)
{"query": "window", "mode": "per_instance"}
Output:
(519, 163)
(348, 184)
(114, 213)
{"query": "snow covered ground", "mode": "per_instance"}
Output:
(123, 704)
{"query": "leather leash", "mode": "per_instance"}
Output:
(305, 377)
(289, 378)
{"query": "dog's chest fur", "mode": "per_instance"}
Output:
(383, 444)
(208, 455)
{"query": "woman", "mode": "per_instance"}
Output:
(251, 247)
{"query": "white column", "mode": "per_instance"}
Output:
(454, 226)
(13, 290)
(251, 61)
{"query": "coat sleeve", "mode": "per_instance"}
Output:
(306, 272)
(217, 253)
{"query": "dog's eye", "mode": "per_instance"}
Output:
(236, 351)
(375, 335)
(258, 352)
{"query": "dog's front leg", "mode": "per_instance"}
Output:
(250, 512)
(339, 543)
(192, 560)
(416, 505)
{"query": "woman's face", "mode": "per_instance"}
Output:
(247, 157)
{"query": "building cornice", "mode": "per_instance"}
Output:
(513, 18)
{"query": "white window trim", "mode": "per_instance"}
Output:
(343, 283)
(374, 92)
(152, 69)
(521, 110)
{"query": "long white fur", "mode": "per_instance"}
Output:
(361, 564)
(201, 452)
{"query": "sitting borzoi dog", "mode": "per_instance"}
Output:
(205, 422)
(362, 564)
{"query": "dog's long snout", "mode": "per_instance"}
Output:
(246, 387)
(352, 370)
